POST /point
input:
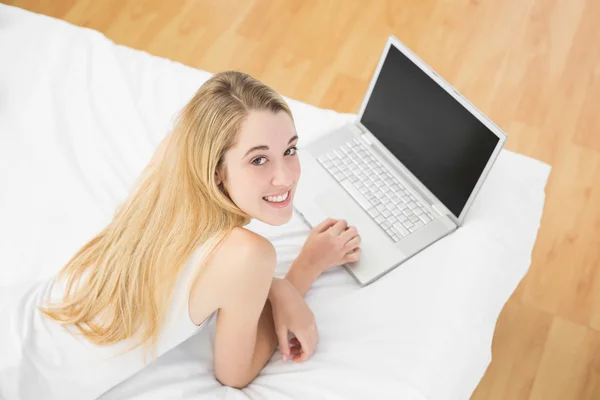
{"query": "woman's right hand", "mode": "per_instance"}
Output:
(331, 243)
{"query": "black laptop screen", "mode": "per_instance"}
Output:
(430, 132)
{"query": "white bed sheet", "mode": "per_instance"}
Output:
(80, 118)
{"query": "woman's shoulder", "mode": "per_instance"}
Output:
(243, 251)
(238, 254)
(242, 242)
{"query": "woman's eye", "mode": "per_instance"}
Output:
(293, 148)
(289, 152)
(258, 159)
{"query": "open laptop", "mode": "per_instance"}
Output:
(406, 171)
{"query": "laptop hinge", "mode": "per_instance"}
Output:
(366, 139)
(437, 209)
(361, 127)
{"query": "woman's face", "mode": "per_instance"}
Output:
(263, 168)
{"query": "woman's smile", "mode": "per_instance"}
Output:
(279, 201)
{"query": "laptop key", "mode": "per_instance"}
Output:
(416, 226)
(403, 231)
(425, 218)
(360, 199)
(364, 168)
(373, 212)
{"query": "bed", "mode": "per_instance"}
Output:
(79, 119)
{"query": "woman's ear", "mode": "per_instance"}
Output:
(220, 183)
(218, 177)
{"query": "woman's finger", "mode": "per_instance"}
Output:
(338, 227)
(307, 346)
(353, 256)
(349, 234)
(324, 225)
(282, 336)
(352, 244)
(314, 331)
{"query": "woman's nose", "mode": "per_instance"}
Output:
(283, 176)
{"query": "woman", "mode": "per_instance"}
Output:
(177, 253)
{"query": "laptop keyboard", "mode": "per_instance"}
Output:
(376, 190)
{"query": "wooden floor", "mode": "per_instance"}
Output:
(533, 66)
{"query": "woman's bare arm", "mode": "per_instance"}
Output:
(245, 336)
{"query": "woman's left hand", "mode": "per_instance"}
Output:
(290, 313)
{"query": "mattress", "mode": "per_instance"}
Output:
(79, 119)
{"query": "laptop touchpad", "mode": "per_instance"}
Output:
(378, 250)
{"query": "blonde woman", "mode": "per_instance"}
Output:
(175, 254)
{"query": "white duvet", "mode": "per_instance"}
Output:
(80, 118)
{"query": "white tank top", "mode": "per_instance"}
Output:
(39, 359)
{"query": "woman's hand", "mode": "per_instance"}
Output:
(291, 314)
(331, 243)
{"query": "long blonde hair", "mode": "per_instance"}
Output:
(131, 266)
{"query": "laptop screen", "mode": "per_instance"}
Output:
(431, 133)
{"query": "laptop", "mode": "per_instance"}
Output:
(406, 171)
